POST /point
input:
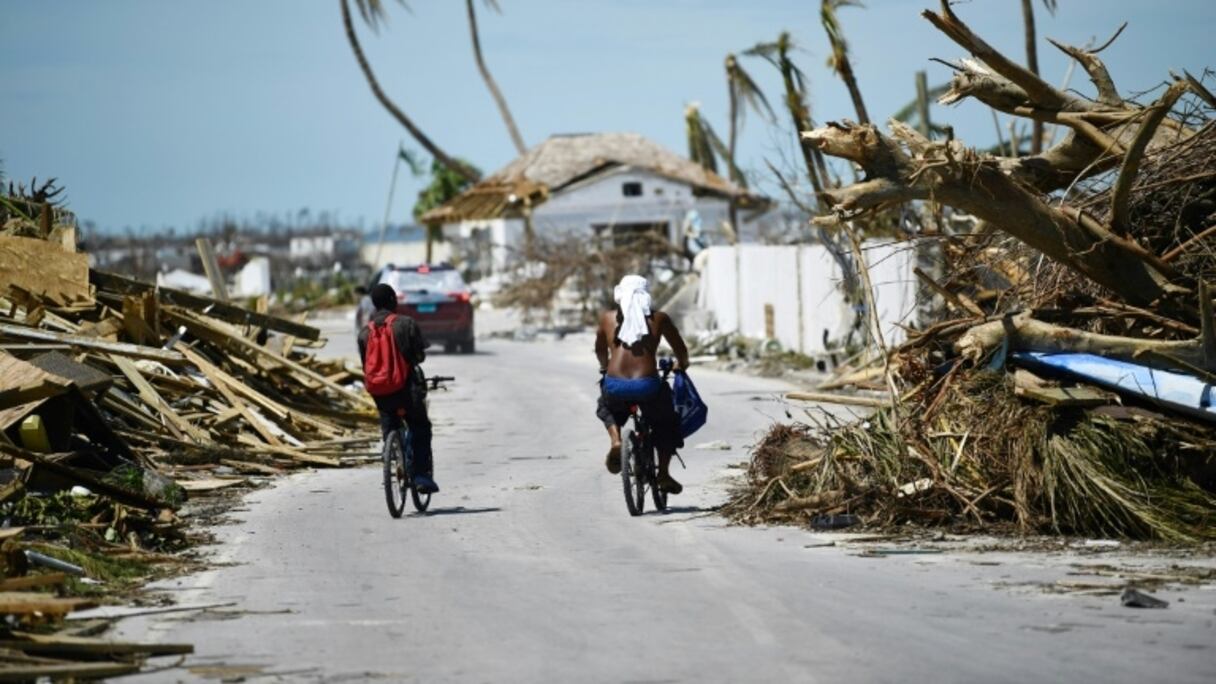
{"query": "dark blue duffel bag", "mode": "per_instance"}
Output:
(689, 407)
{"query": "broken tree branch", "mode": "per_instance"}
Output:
(1131, 161)
(1108, 94)
(1028, 334)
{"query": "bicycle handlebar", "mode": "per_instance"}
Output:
(437, 380)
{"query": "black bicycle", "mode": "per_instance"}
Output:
(398, 456)
(639, 469)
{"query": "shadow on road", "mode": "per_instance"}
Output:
(458, 510)
(690, 509)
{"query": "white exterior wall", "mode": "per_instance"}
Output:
(601, 200)
(596, 201)
(801, 282)
(312, 247)
(404, 253)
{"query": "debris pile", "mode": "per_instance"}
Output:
(573, 278)
(1067, 385)
(120, 400)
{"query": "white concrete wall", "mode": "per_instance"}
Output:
(311, 247)
(801, 282)
(404, 253)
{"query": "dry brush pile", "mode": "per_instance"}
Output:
(1102, 244)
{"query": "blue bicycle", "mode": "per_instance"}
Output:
(398, 457)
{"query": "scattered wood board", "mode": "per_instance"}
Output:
(60, 275)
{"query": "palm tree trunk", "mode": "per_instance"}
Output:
(442, 157)
(730, 164)
(501, 101)
(850, 81)
(1032, 63)
(802, 122)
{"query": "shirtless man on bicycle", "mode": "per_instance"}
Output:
(626, 344)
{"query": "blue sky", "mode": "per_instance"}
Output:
(157, 114)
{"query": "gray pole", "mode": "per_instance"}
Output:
(388, 206)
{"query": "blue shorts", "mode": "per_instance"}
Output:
(619, 395)
(632, 389)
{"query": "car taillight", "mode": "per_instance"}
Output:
(460, 297)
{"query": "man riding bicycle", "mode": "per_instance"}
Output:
(626, 344)
(409, 346)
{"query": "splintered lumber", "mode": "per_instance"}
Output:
(29, 602)
(213, 307)
(211, 267)
(210, 484)
(283, 416)
(121, 348)
(51, 579)
(826, 398)
(24, 672)
(207, 331)
(155, 401)
(1083, 397)
(139, 318)
(289, 452)
(56, 644)
(43, 268)
(221, 382)
(28, 392)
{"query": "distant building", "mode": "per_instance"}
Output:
(403, 246)
(324, 249)
(606, 185)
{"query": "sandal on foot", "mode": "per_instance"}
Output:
(668, 484)
(613, 462)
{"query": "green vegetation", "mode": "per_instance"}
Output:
(445, 184)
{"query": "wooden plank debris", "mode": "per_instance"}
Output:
(132, 350)
(211, 267)
(1083, 397)
(68, 645)
(60, 275)
(842, 399)
(213, 307)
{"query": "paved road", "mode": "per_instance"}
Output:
(529, 569)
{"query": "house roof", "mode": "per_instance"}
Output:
(565, 159)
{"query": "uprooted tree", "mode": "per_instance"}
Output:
(1103, 243)
(1013, 194)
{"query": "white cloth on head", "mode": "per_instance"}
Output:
(633, 296)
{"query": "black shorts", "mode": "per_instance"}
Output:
(660, 412)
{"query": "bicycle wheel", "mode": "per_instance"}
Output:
(658, 495)
(394, 474)
(633, 475)
(421, 501)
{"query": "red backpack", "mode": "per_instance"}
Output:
(384, 371)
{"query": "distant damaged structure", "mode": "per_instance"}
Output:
(611, 186)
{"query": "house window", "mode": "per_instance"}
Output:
(631, 189)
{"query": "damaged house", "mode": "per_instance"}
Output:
(608, 185)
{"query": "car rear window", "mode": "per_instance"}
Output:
(439, 281)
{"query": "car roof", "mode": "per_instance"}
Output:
(423, 268)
